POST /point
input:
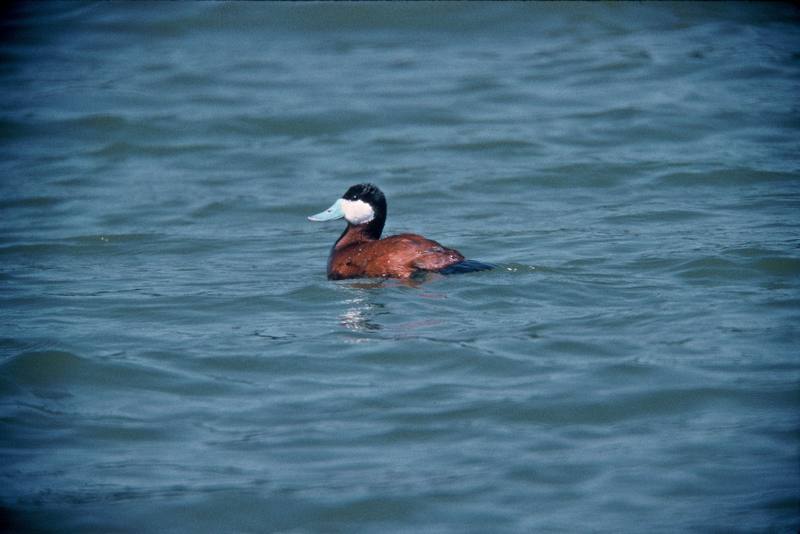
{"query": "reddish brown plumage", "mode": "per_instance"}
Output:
(399, 256)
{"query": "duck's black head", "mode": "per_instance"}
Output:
(363, 206)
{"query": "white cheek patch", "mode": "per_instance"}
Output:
(357, 211)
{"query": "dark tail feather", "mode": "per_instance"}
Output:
(466, 266)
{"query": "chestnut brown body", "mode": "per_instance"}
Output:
(397, 256)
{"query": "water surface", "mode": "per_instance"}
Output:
(172, 358)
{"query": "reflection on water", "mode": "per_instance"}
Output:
(359, 315)
(362, 312)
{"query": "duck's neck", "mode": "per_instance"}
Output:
(359, 233)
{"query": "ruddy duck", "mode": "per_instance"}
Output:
(360, 251)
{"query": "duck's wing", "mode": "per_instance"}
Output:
(436, 257)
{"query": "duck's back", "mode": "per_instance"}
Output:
(397, 256)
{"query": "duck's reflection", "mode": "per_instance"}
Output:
(362, 310)
(358, 316)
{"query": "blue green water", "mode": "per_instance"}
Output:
(173, 359)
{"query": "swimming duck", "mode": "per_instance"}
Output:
(360, 251)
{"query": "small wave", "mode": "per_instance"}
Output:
(738, 268)
(31, 202)
(297, 125)
(712, 268)
(76, 245)
(726, 177)
(124, 149)
(43, 367)
(778, 266)
(498, 146)
(92, 239)
(99, 121)
(34, 249)
(657, 216)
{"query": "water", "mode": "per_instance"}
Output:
(174, 360)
